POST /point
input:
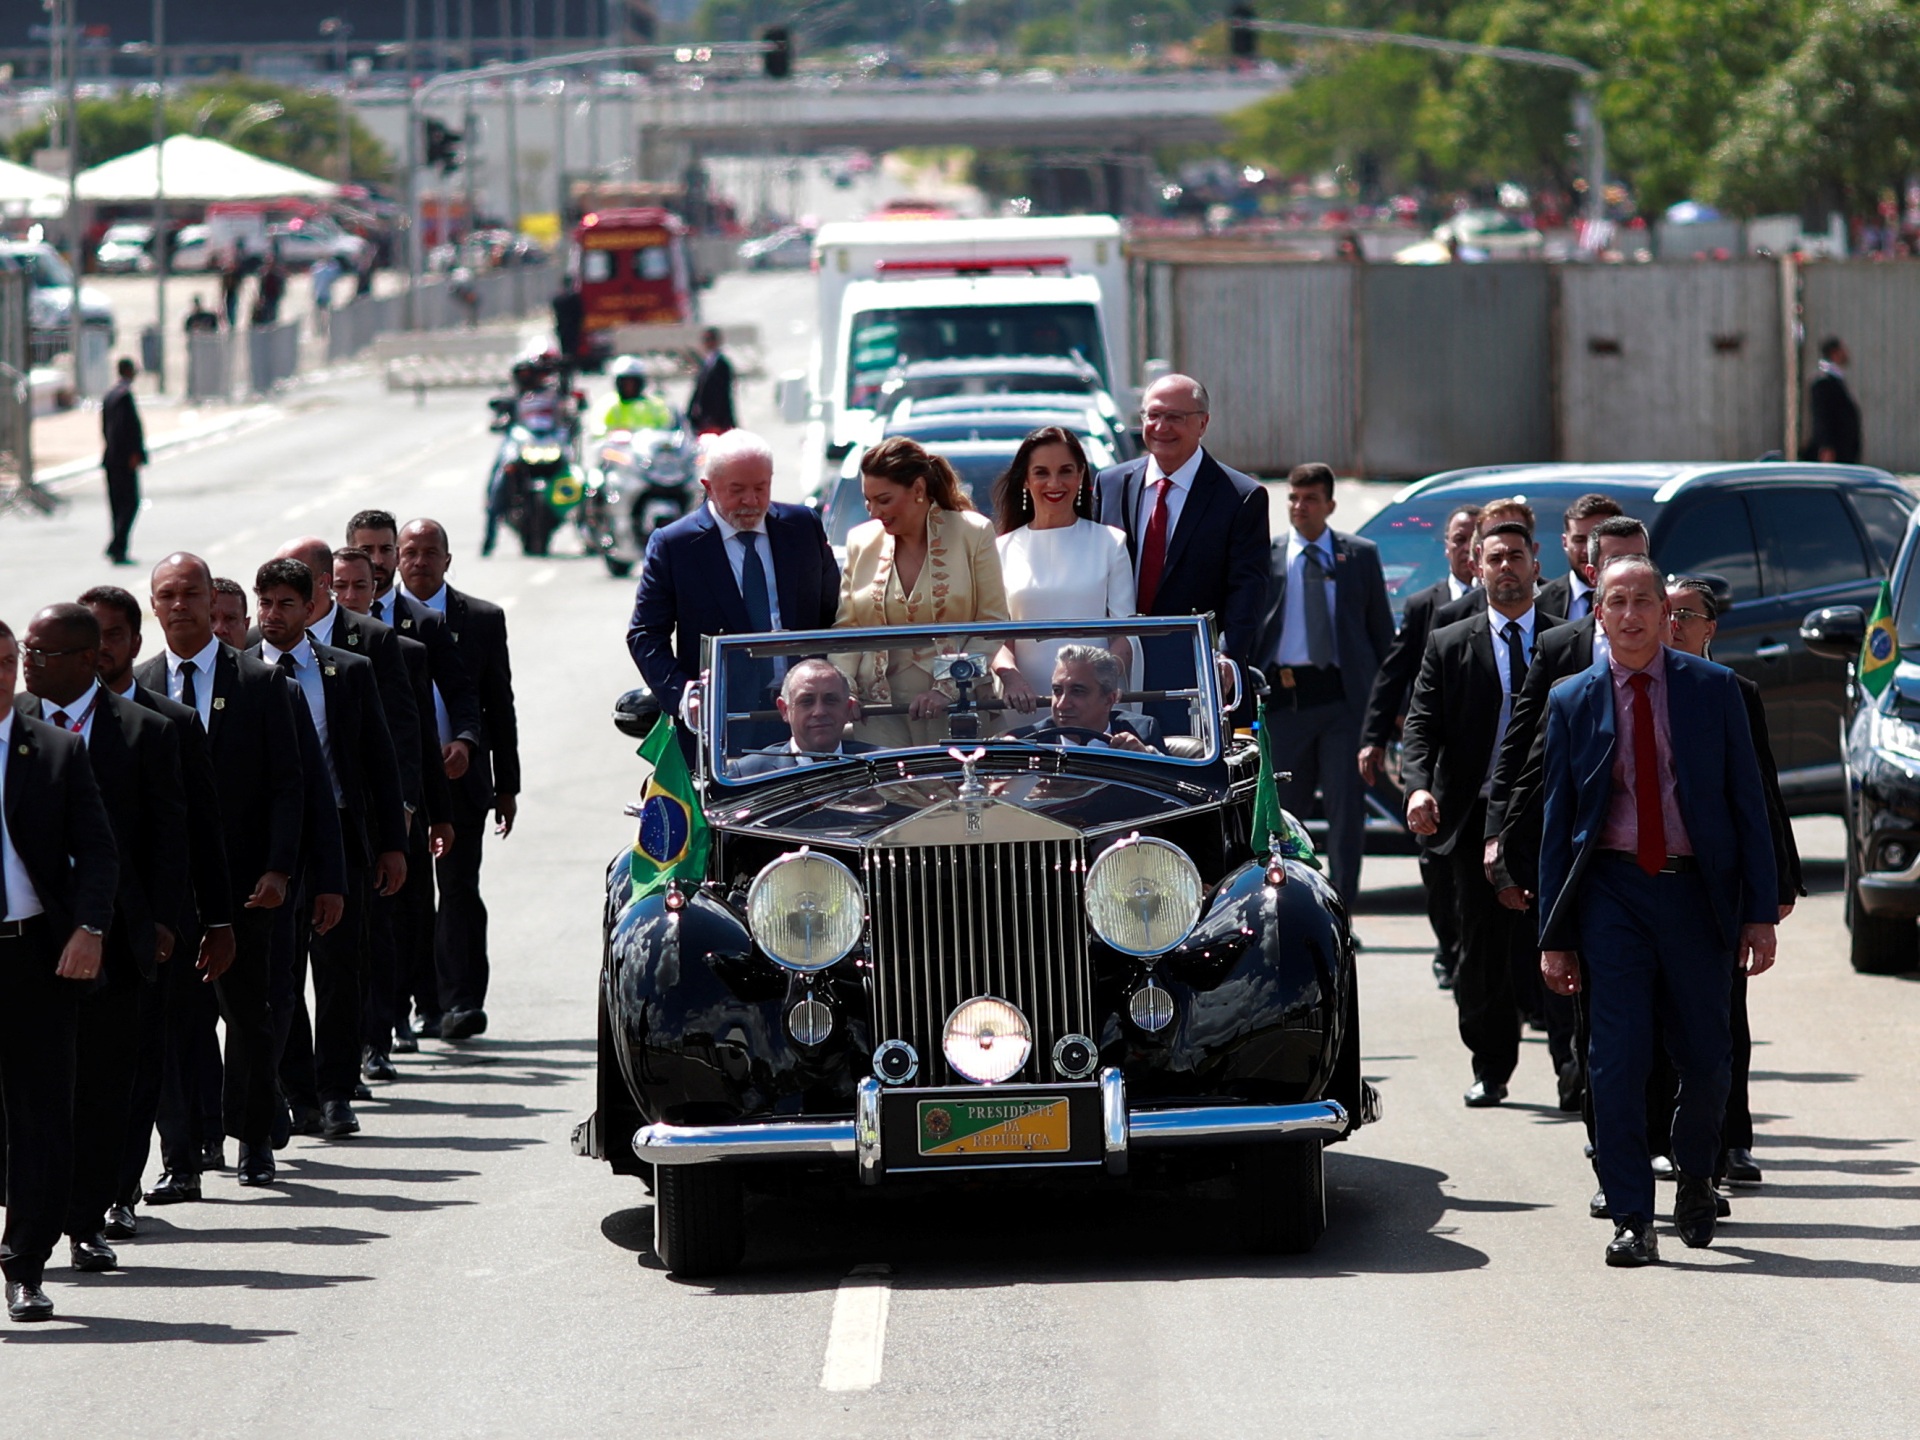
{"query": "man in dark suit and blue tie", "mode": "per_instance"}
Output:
(1571, 595)
(738, 565)
(1197, 532)
(1328, 624)
(1657, 870)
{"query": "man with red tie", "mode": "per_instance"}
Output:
(1197, 533)
(1656, 871)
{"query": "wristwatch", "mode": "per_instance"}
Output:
(93, 930)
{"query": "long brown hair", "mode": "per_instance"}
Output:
(900, 461)
(1012, 505)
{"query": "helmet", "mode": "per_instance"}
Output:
(628, 365)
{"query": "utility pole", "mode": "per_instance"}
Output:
(470, 128)
(560, 156)
(162, 246)
(415, 253)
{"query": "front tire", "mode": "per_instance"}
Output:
(1877, 944)
(536, 526)
(699, 1219)
(1281, 1192)
(616, 567)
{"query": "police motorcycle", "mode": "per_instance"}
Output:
(642, 476)
(536, 485)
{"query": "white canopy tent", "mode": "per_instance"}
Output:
(30, 192)
(195, 168)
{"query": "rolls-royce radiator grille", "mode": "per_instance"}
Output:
(953, 922)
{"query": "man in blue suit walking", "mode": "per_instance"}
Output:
(740, 564)
(1657, 871)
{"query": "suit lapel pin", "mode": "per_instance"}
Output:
(23, 749)
(329, 672)
(219, 702)
(354, 639)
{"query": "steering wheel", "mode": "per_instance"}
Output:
(1086, 735)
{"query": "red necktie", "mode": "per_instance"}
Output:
(1153, 551)
(1652, 849)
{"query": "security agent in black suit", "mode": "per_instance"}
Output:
(1328, 626)
(1392, 688)
(1570, 596)
(710, 408)
(59, 871)
(1833, 429)
(135, 757)
(342, 696)
(1197, 533)
(1461, 702)
(247, 711)
(205, 924)
(124, 453)
(492, 782)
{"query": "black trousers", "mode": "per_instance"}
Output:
(417, 979)
(172, 1094)
(321, 1061)
(460, 930)
(108, 1052)
(1443, 912)
(247, 1094)
(123, 500)
(39, 1026)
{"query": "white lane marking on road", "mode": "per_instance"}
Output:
(857, 1339)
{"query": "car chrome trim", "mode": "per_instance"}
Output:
(1207, 1124)
(1113, 1119)
(866, 1129)
(763, 1140)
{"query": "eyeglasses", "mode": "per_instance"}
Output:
(38, 656)
(1690, 615)
(1168, 417)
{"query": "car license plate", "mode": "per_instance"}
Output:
(1030, 1125)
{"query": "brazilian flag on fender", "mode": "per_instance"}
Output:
(673, 839)
(1273, 826)
(1880, 652)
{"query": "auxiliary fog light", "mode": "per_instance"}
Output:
(896, 1062)
(987, 1040)
(1143, 896)
(810, 1022)
(1074, 1057)
(1151, 1008)
(806, 911)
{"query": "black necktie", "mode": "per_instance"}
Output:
(1516, 658)
(189, 692)
(753, 584)
(61, 721)
(289, 667)
(380, 611)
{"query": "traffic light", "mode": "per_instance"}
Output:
(779, 59)
(1242, 41)
(443, 147)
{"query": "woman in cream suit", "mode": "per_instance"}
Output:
(925, 558)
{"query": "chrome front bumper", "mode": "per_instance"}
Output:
(1123, 1128)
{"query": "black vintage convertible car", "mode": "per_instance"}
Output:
(931, 946)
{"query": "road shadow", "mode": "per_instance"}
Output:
(159, 1232)
(174, 1277)
(438, 1076)
(69, 1329)
(463, 1144)
(391, 1104)
(1384, 1217)
(1806, 1077)
(1392, 900)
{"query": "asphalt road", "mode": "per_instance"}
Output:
(455, 1270)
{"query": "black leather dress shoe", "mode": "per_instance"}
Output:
(27, 1302)
(1695, 1208)
(1722, 1207)
(377, 1067)
(122, 1223)
(256, 1165)
(1633, 1244)
(1741, 1168)
(306, 1120)
(1443, 972)
(360, 1090)
(92, 1253)
(428, 1027)
(1597, 1206)
(339, 1121)
(175, 1186)
(463, 1024)
(1482, 1096)
(213, 1155)
(1573, 1087)
(1663, 1167)
(405, 1042)
(282, 1131)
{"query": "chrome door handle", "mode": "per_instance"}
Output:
(1771, 652)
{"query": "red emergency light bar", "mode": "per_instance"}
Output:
(971, 265)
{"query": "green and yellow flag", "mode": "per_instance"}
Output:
(1880, 652)
(1273, 824)
(673, 839)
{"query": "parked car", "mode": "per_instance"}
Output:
(992, 955)
(993, 375)
(192, 250)
(126, 248)
(1785, 537)
(50, 297)
(1089, 413)
(305, 242)
(1882, 759)
(788, 248)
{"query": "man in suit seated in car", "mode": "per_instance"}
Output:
(817, 704)
(1087, 682)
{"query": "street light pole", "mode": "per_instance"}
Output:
(1586, 107)
(340, 31)
(70, 29)
(161, 247)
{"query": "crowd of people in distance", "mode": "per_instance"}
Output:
(1602, 838)
(298, 779)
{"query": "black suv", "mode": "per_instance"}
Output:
(1786, 537)
(1881, 737)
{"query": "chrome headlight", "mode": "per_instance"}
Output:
(1143, 896)
(1895, 735)
(667, 465)
(806, 911)
(987, 1040)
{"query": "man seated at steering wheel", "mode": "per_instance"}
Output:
(817, 704)
(1087, 682)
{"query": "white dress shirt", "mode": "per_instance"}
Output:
(322, 629)
(1579, 598)
(1177, 494)
(23, 901)
(808, 757)
(1293, 648)
(314, 691)
(1457, 587)
(80, 712)
(737, 557)
(202, 680)
(1499, 623)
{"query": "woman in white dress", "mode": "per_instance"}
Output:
(1059, 563)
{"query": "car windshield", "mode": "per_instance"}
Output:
(885, 340)
(1143, 693)
(989, 386)
(48, 269)
(1409, 532)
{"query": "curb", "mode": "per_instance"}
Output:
(58, 475)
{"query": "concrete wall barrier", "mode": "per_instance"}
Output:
(209, 365)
